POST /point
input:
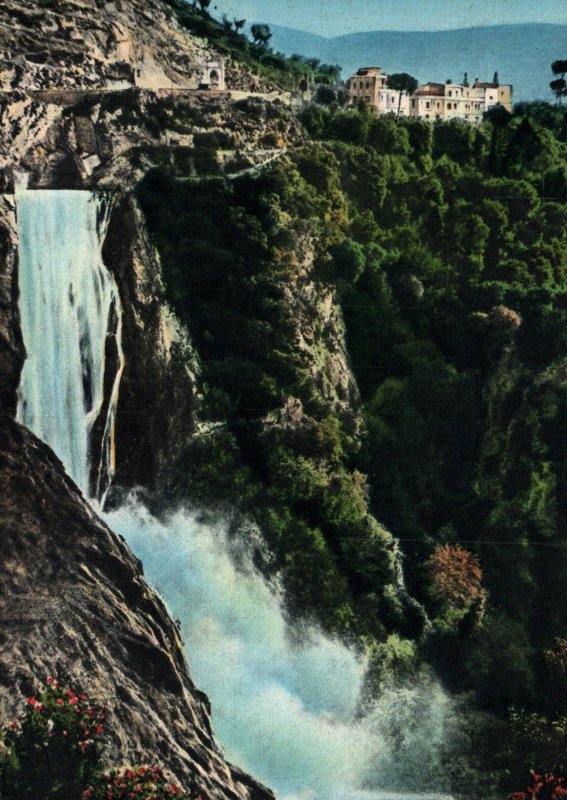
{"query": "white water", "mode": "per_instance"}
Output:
(68, 301)
(285, 707)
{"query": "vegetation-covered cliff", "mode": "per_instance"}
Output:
(444, 249)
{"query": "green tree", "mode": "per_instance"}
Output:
(559, 67)
(261, 34)
(559, 88)
(403, 83)
(559, 85)
(349, 261)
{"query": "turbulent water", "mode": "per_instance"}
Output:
(285, 704)
(69, 309)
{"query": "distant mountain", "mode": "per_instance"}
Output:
(521, 54)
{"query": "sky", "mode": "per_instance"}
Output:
(334, 17)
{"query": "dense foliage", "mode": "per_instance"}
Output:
(446, 247)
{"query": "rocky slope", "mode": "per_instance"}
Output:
(73, 600)
(84, 107)
(80, 44)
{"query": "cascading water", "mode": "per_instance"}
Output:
(285, 706)
(71, 324)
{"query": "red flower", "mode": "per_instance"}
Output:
(31, 701)
(59, 702)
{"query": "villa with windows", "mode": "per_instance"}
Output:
(431, 101)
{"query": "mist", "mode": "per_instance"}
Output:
(285, 702)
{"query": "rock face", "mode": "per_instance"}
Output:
(73, 600)
(157, 404)
(84, 83)
(319, 335)
(11, 344)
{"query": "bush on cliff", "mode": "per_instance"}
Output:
(53, 752)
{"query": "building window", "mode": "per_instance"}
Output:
(450, 93)
(428, 104)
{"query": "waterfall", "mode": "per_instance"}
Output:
(71, 323)
(286, 703)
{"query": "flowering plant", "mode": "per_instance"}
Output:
(543, 786)
(54, 746)
(142, 783)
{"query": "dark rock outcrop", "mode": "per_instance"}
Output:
(12, 351)
(157, 405)
(73, 600)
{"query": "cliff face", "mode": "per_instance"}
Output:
(158, 398)
(80, 44)
(86, 82)
(73, 600)
(11, 344)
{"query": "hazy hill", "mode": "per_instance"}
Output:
(522, 54)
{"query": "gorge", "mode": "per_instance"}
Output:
(302, 367)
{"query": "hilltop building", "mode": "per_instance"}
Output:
(432, 101)
(369, 86)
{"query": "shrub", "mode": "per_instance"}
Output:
(54, 747)
(456, 576)
(543, 787)
(143, 783)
